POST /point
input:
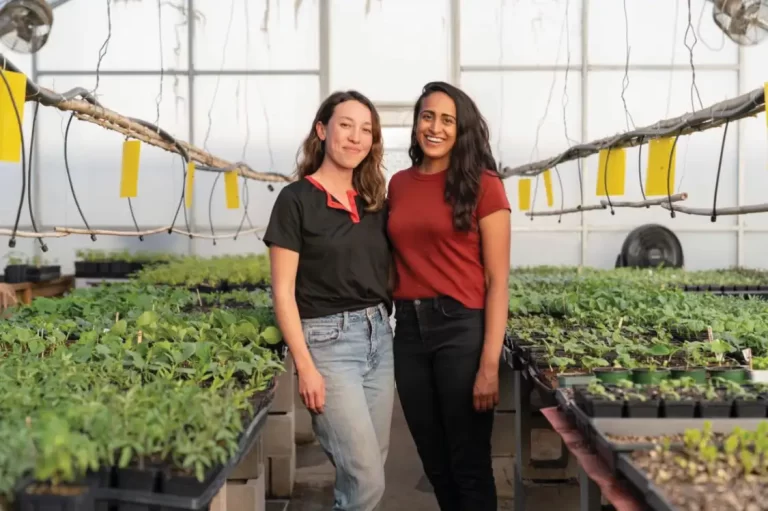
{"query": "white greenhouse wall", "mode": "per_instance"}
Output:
(245, 85)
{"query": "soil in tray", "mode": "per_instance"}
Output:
(631, 439)
(726, 490)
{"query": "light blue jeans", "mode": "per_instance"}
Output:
(353, 353)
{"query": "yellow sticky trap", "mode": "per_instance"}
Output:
(230, 188)
(524, 194)
(10, 131)
(129, 175)
(548, 187)
(190, 185)
(659, 151)
(614, 174)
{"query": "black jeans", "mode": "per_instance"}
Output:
(438, 343)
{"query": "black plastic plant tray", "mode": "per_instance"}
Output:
(507, 356)
(43, 274)
(150, 501)
(656, 500)
(15, 273)
(724, 409)
(583, 423)
(546, 392)
(563, 401)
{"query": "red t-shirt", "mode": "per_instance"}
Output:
(431, 257)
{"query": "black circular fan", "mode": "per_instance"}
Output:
(650, 246)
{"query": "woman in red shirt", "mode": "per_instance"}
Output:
(449, 224)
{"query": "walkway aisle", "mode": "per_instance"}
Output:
(406, 488)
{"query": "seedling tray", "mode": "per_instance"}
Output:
(201, 502)
(672, 410)
(610, 451)
(99, 496)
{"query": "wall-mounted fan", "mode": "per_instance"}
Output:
(25, 24)
(745, 22)
(650, 246)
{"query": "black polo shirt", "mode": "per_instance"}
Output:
(344, 256)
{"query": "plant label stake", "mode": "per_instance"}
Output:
(711, 338)
(139, 337)
(117, 317)
(748, 356)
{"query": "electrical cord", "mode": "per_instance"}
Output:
(717, 179)
(210, 207)
(640, 168)
(669, 176)
(562, 195)
(30, 166)
(69, 175)
(605, 181)
(133, 217)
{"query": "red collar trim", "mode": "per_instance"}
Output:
(332, 203)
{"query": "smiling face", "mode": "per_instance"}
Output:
(436, 129)
(348, 136)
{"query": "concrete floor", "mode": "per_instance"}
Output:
(407, 488)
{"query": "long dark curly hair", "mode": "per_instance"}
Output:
(470, 157)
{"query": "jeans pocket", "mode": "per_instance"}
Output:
(454, 309)
(321, 335)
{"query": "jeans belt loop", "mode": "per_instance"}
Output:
(345, 321)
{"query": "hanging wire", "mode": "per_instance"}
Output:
(562, 195)
(246, 192)
(30, 166)
(625, 81)
(210, 116)
(104, 47)
(565, 100)
(669, 176)
(698, 31)
(719, 168)
(69, 175)
(690, 30)
(640, 168)
(605, 181)
(543, 119)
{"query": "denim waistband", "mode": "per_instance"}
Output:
(435, 301)
(345, 318)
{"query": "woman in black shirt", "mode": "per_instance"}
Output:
(330, 261)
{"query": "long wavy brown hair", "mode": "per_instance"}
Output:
(368, 178)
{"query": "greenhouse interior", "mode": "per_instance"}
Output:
(166, 343)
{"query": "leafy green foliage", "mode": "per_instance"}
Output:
(130, 374)
(634, 318)
(194, 272)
